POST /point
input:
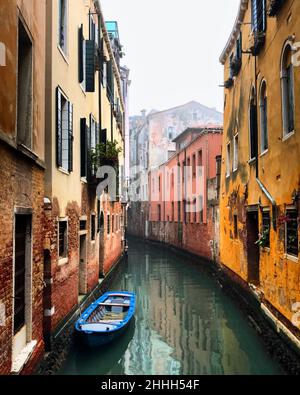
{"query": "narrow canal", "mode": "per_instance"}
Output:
(184, 324)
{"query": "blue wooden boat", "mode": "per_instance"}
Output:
(106, 318)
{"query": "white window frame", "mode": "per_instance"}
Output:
(235, 152)
(228, 153)
(285, 123)
(263, 128)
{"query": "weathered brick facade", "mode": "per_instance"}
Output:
(22, 185)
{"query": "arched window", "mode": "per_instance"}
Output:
(287, 91)
(253, 125)
(263, 105)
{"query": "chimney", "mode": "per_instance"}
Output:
(143, 112)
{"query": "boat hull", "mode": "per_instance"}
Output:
(100, 339)
(106, 319)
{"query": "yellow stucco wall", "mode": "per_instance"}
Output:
(279, 168)
(64, 73)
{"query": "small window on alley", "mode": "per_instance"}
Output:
(93, 227)
(266, 226)
(63, 239)
(228, 160)
(63, 20)
(291, 232)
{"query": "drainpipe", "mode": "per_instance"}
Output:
(98, 9)
(261, 185)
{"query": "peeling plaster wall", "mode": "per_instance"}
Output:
(278, 170)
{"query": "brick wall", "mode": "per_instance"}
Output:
(22, 185)
(195, 238)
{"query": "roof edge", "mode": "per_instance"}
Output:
(235, 31)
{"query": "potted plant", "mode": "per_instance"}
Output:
(106, 154)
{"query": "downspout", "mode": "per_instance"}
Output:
(260, 184)
(98, 9)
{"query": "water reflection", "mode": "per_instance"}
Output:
(184, 324)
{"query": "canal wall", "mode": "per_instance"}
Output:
(64, 337)
(278, 339)
(199, 239)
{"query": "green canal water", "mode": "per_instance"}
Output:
(184, 324)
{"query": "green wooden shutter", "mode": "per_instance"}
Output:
(58, 129)
(90, 65)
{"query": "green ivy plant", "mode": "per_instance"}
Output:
(263, 238)
(106, 154)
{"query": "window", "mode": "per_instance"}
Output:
(287, 89)
(64, 132)
(108, 224)
(159, 212)
(195, 116)
(235, 152)
(236, 58)
(94, 133)
(235, 226)
(93, 227)
(291, 232)
(179, 211)
(82, 224)
(263, 118)
(194, 209)
(171, 132)
(200, 163)
(172, 211)
(253, 125)
(81, 57)
(258, 15)
(228, 160)
(62, 239)
(201, 209)
(266, 227)
(83, 147)
(110, 82)
(113, 224)
(188, 169)
(62, 25)
(194, 165)
(24, 121)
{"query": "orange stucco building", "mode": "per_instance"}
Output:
(259, 198)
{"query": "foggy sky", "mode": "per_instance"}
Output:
(172, 48)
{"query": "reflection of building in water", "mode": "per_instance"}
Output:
(198, 332)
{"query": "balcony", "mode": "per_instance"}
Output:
(274, 7)
(257, 42)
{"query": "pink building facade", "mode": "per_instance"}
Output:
(183, 193)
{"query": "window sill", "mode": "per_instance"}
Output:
(251, 161)
(83, 89)
(63, 54)
(264, 153)
(64, 171)
(19, 363)
(265, 249)
(83, 179)
(63, 261)
(288, 135)
(291, 258)
(235, 170)
(228, 175)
